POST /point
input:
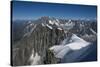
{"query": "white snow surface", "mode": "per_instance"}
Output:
(69, 24)
(93, 31)
(34, 59)
(69, 20)
(62, 49)
(59, 28)
(50, 22)
(43, 25)
(29, 22)
(48, 26)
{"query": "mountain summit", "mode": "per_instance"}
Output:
(49, 40)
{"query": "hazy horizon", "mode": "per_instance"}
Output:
(22, 10)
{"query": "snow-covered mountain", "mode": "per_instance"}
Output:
(75, 44)
(50, 40)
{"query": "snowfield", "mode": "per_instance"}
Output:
(34, 59)
(76, 44)
(49, 26)
(52, 22)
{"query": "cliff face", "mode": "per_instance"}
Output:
(32, 42)
(39, 40)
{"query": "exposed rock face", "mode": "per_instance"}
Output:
(32, 42)
(41, 39)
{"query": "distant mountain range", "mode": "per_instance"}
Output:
(49, 40)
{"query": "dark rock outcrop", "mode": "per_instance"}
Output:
(41, 39)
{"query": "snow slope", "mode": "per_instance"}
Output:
(34, 59)
(52, 22)
(49, 26)
(76, 44)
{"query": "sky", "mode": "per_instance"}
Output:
(22, 10)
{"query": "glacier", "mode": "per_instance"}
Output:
(63, 49)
